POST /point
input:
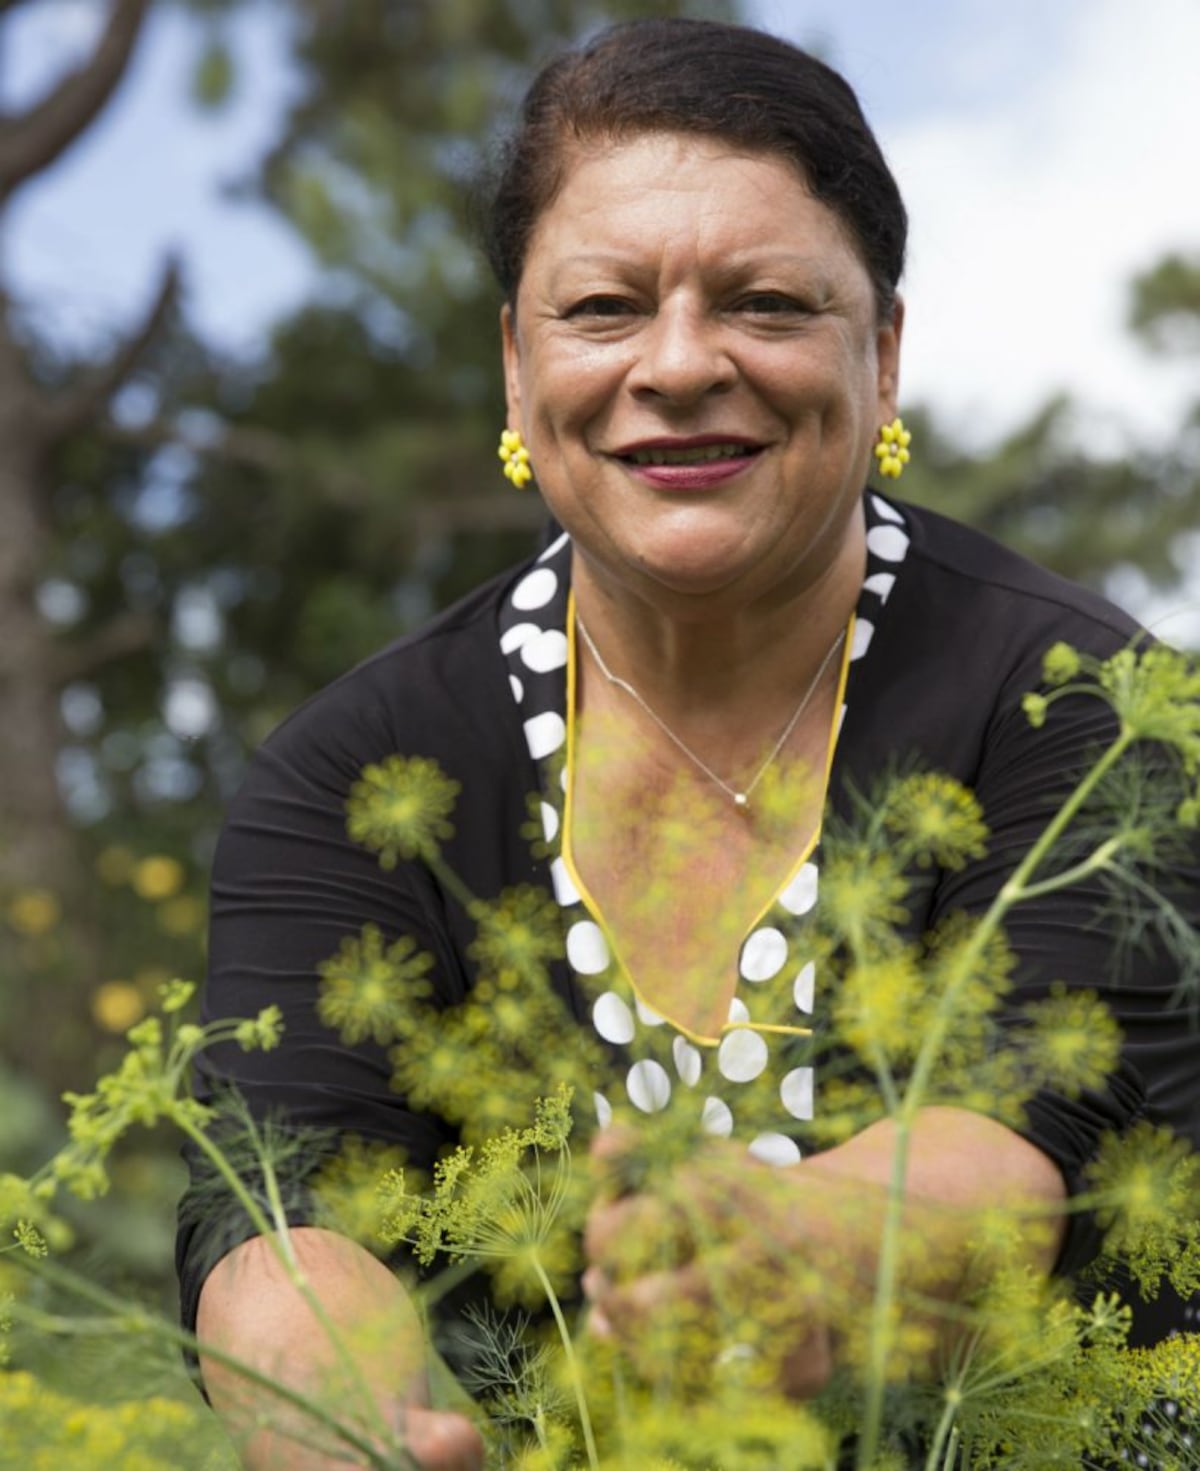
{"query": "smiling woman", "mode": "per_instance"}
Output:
(699, 244)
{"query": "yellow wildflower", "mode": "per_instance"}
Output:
(117, 1005)
(34, 912)
(157, 877)
(181, 916)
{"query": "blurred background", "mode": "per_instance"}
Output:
(249, 399)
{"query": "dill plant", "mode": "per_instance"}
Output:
(1026, 1375)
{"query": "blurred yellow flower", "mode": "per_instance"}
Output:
(114, 864)
(158, 877)
(117, 1005)
(35, 912)
(181, 916)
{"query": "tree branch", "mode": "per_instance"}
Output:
(263, 449)
(31, 141)
(89, 398)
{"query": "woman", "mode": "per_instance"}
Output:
(699, 244)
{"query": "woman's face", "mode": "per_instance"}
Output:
(697, 369)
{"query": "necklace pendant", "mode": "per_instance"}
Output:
(740, 799)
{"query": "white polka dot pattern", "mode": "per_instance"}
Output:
(738, 1011)
(534, 590)
(564, 885)
(864, 632)
(517, 636)
(587, 949)
(796, 1092)
(801, 894)
(688, 1062)
(775, 1149)
(763, 954)
(518, 689)
(545, 651)
(741, 1056)
(648, 1086)
(603, 1110)
(717, 1118)
(646, 1015)
(613, 1019)
(889, 513)
(549, 821)
(888, 543)
(881, 585)
(545, 733)
(802, 990)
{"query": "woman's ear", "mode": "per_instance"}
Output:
(887, 356)
(512, 365)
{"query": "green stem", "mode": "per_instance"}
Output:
(943, 1434)
(1014, 891)
(585, 1419)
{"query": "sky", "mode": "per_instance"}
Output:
(1045, 150)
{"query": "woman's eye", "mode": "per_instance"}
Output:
(600, 306)
(771, 303)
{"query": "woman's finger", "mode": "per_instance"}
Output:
(441, 1441)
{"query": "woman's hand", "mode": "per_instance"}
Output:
(440, 1441)
(774, 1268)
(709, 1273)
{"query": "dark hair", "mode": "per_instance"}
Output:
(742, 86)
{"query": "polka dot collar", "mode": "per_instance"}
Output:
(757, 1080)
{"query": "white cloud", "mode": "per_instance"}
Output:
(1031, 216)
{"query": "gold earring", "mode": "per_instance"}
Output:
(516, 458)
(892, 449)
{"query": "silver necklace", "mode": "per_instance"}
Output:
(740, 799)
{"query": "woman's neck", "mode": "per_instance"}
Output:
(697, 664)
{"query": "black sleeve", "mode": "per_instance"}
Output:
(1073, 937)
(288, 887)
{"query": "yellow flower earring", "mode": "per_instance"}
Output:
(516, 458)
(892, 449)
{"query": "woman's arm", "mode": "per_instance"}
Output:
(251, 1308)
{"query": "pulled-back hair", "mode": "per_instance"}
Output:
(741, 86)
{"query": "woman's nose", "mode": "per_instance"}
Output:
(682, 355)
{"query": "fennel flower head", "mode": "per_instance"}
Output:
(400, 808)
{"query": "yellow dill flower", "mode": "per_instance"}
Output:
(1061, 664)
(365, 990)
(117, 1005)
(34, 913)
(181, 916)
(157, 877)
(498, 1203)
(1148, 1184)
(935, 819)
(346, 1189)
(1074, 1042)
(516, 937)
(877, 1008)
(862, 896)
(399, 809)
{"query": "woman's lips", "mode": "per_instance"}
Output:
(690, 469)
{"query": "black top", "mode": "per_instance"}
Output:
(949, 634)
